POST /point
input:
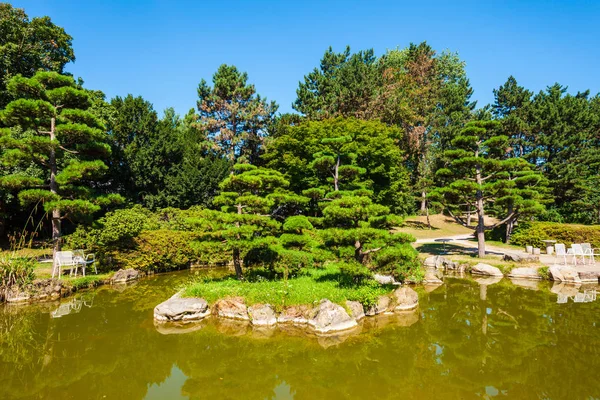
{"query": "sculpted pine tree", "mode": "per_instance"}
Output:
(49, 125)
(249, 199)
(479, 175)
(232, 115)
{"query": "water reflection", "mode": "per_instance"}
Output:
(463, 342)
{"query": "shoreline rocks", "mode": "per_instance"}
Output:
(233, 308)
(125, 275)
(485, 269)
(182, 309)
(262, 315)
(331, 317)
(406, 299)
(524, 273)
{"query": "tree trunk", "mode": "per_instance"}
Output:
(469, 215)
(423, 202)
(56, 217)
(509, 225)
(358, 254)
(480, 215)
(336, 174)
(428, 221)
(237, 264)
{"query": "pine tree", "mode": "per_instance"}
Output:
(479, 174)
(57, 133)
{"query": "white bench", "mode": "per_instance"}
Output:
(72, 260)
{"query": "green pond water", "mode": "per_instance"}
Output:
(466, 341)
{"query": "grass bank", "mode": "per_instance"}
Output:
(309, 288)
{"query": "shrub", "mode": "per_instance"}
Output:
(532, 233)
(15, 271)
(158, 251)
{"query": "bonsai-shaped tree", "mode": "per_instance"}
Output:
(479, 174)
(48, 125)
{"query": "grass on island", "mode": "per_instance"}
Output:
(441, 226)
(308, 289)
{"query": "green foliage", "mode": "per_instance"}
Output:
(15, 272)
(532, 233)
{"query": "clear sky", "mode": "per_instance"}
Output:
(161, 49)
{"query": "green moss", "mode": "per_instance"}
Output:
(88, 281)
(308, 288)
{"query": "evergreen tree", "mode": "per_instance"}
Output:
(479, 174)
(56, 132)
(232, 115)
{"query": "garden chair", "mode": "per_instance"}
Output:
(589, 252)
(562, 252)
(64, 259)
(83, 260)
(577, 252)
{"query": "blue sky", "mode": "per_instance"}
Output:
(161, 49)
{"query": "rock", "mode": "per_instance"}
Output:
(555, 274)
(384, 279)
(406, 299)
(262, 315)
(520, 257)
(233, 308)
(431, 278)
(181, 309)
(356, 310)
(330, 317)
(570, 275)
(38, 290)
(440, 262)
(524, 273)
(589, 275)
(486, 269)
(125, 275)
(382, 306)
(298, 315)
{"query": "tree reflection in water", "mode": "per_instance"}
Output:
(467, 340)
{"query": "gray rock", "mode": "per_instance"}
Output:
(521, 257)
(524, 273)
(440, 262)
(382, 306)
(486, 269)
(356, 310)
(181, 309)
(589, 275)
(556, 274)
(330, 317)
(406, 299)
(384, 279)
(262, 315)
(38, 290)
(431, 278)
(570, 275)
(233, 308)
(125, 275)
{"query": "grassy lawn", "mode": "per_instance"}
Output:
(310, 288)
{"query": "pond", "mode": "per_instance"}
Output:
(465, 341)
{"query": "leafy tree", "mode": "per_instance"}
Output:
(57, 133)
(232, 115)
(479, 175)
(27, 46)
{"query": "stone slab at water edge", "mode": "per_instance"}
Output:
(331, 317)
(485, 269)
(181, 309)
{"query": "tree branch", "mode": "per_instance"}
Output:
(459, 219)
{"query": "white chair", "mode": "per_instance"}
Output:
(577, 252)
(589, 252)
(63, 259)
(561, 252)
(82, 260)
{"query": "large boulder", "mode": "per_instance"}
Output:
(431, 278)
(564, 274)
(357, 311)
(521, 257)
(233, 308)
(406, 299)
(524, 273)
(485, 269)
(125, 275)
(330, 317)
(262, 315)
(181, 309)
(298, 315)
(382, 306)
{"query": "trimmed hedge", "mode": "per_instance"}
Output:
(532, 233)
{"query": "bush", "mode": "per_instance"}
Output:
(532, 233)
(158, 251)
(15, 271)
